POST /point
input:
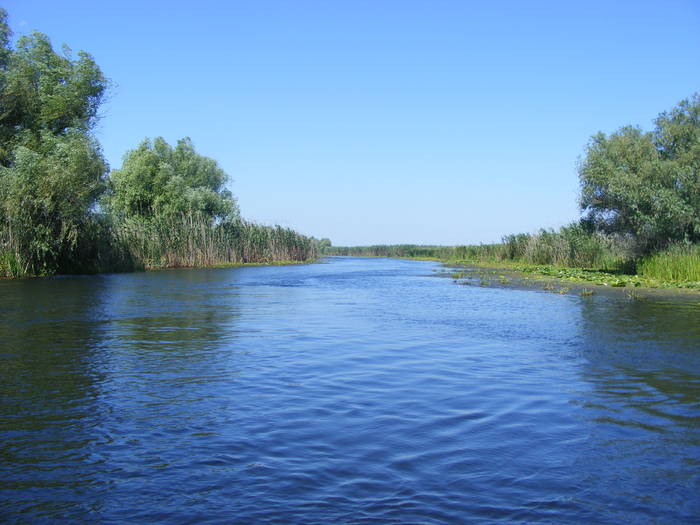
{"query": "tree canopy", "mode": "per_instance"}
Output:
(59, 212)
(47, 196)
(51, 168)
(41, 90)
(646, 184)
(157, 179)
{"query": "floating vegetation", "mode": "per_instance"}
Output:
(502, 279)
(634, 295)
(614, 280)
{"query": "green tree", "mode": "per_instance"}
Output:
(646, 184)
(51, 168)
(44, 91)
(159, 180)
(5, 35)
(677, 138)
(324, 245)
(46, 199)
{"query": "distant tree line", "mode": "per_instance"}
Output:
(62, 211)
(640, 204)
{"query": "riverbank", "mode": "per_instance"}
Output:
(265, 263)
(578, 257)
(161, 268)
(185, 241)
(580, 281)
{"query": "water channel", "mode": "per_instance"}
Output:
(352, 391)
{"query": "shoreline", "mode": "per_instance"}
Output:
(169, 268)
(576, 281)
(562, 280)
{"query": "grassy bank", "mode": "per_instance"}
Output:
(678, 263)
(572, 253)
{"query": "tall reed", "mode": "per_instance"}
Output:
(190, 240)
(184, 240)
(677, 263)
(571, 246)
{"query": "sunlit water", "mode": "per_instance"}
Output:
(357, 391)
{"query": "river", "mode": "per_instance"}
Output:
(355, 391)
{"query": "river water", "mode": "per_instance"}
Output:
(355, 391)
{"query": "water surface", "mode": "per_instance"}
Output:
(356, 391)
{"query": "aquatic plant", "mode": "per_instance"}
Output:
(680, 262)
(190, 240)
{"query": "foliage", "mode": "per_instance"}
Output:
(168, 206)
(396, 250)
(46, 196)
(51, 169)
(171, 209)
(192, 239)
(158, 180)
(678, 263)
(646, 185)
(43, 91)
(324, 245)
(165, 207)
(572, 246)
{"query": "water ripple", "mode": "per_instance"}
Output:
(359, 391)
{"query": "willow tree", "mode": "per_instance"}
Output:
(157, 180)
(646, 184)
(52, 171)
(171, 207)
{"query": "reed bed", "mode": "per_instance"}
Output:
(571, 246)
(677, 263)
(178, 241)
(572, 252)
(188, 240)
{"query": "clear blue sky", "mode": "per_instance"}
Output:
(376, 121)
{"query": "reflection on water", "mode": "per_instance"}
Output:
(49, 383)
(358, 391)
(643, 407)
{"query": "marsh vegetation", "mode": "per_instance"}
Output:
(63, 211)
(640, 204)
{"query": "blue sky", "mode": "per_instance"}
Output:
(431, 122)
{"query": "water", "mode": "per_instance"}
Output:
(357, 391)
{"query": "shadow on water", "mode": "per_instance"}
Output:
(642, 413)
(77, 363)
(356, 391)
(50, 372)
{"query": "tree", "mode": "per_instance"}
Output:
(646, 184)
(677, 138)
(44, 91)
(51, 168)
(158, 180)
(47, 196)
(324, 245)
